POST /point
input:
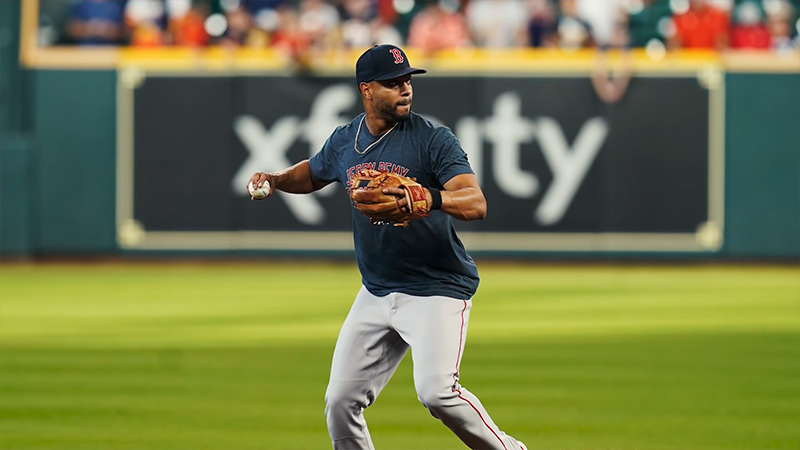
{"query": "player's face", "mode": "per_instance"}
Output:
(393, 97)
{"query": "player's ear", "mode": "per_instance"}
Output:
(366, 90)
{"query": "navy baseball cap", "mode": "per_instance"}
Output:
(383, 62)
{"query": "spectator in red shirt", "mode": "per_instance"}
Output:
(439, 27)
(701, 26)
(188, 27)
(750, 31)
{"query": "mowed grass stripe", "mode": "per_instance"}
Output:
(237, 356)
(658, 392)
(207, 305)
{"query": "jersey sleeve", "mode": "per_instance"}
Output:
(322, 165)
(449, 159)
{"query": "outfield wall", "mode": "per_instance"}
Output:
(698, 160)
(60, 190)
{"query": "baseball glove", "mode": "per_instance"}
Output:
(366, 191)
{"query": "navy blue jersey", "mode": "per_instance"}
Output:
(426, 258)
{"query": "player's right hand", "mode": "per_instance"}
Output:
(260, 179)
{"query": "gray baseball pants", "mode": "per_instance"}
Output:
(374, 338)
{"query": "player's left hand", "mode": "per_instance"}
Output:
(386, 197)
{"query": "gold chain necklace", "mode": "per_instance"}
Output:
(355, 142)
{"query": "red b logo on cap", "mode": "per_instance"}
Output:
(398, 56)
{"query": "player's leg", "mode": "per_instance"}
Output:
(367, 353)
(436, 329)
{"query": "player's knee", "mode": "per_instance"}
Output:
(434, 393)
(342, 400)
(336, 401)
(340, 418)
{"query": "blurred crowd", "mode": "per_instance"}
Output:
(303, 27)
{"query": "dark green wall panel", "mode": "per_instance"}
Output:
(763, 165)
(16, 224)
(12, 77)
(76, 127)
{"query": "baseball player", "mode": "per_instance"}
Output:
(418, 280)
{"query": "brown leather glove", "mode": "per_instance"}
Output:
(366, 191)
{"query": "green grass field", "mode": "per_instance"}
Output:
(234, 357)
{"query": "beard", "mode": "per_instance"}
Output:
(390, 112)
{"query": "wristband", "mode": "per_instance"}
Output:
(436, 198)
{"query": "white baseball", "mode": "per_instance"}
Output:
(259, 193)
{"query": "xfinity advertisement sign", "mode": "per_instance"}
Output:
(561, 170)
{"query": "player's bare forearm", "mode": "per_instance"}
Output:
(463, 198)
(296, 179)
